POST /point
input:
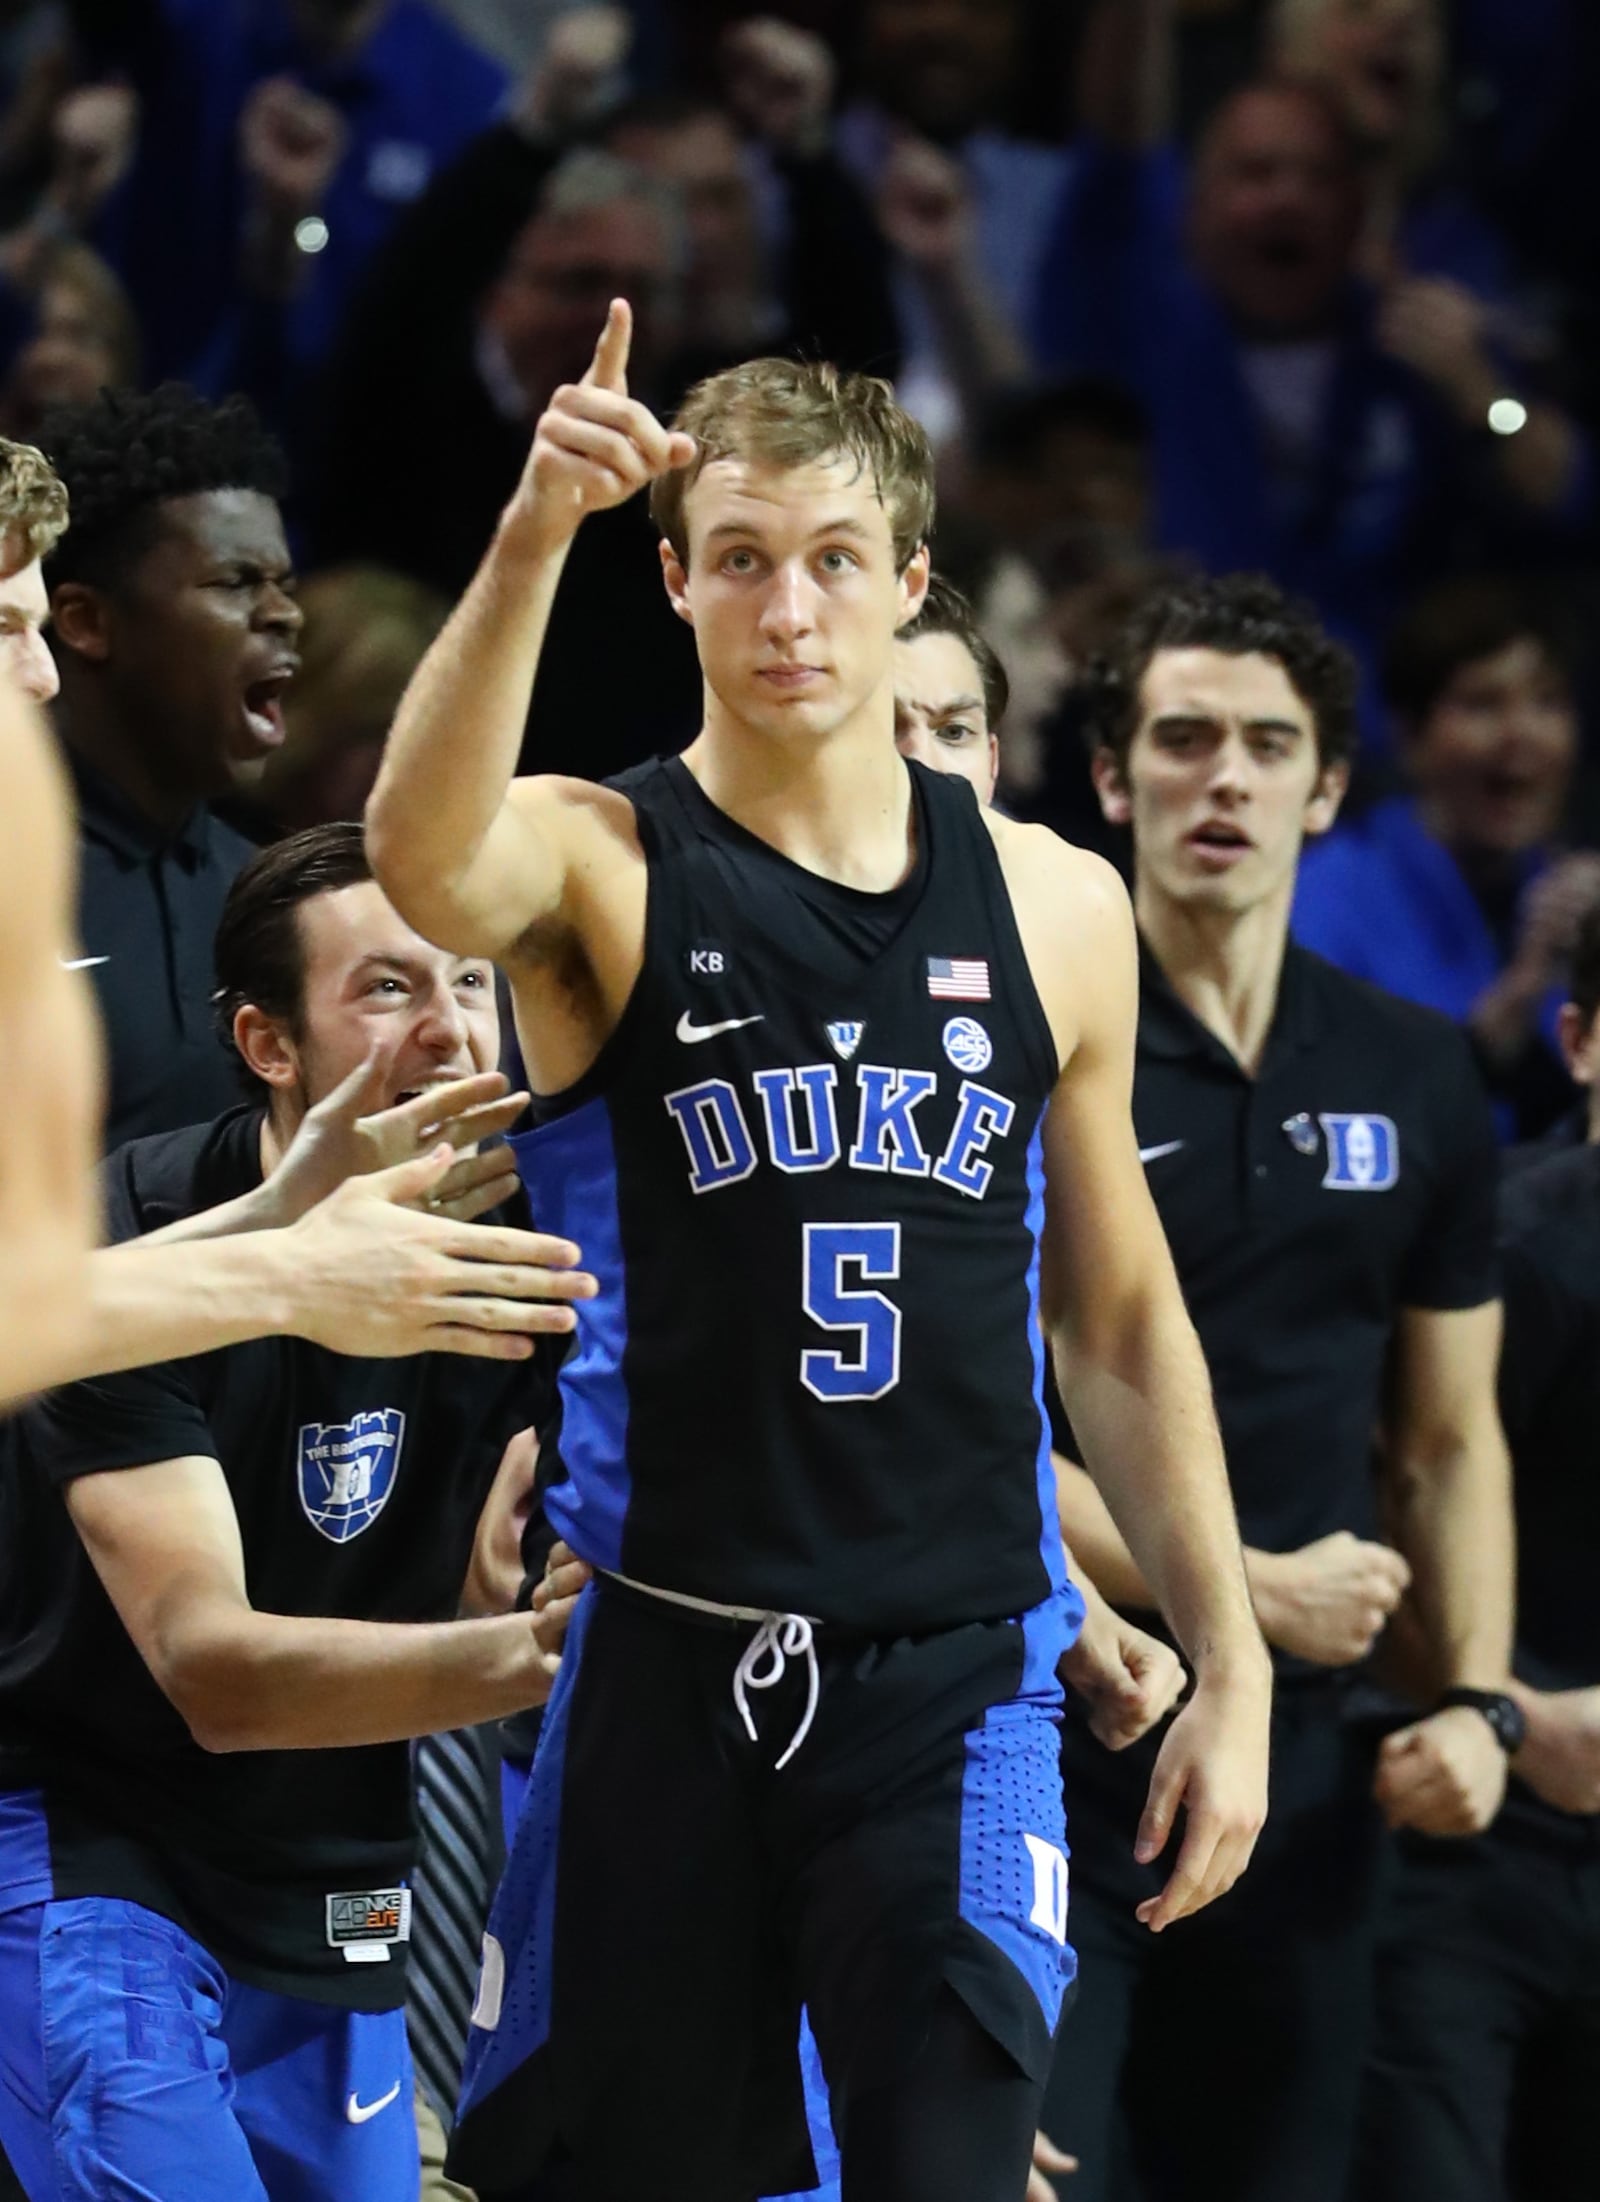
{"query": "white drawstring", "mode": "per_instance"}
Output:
(780, 1638)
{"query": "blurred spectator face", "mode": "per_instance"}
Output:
(77, 350)
(1275, 210)
(1383, 60)
(939, 715)
(944, 65)
(1494, 754)
(792, 592)
(1078, 486)
(369, 981)
(24, 609)
(700, 157)
(1222, 781)
(337, 24)
(196, 642)
(549, 304)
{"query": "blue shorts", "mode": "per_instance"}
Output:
(132, 2069)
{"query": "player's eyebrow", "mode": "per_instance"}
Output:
(725, 528)
(1263, 725)
(954, 705)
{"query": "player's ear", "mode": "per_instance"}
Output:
(914, 585)
(265, 1047)
(1326, 796)
(81, 617)
(1111, 785)
(677, 581)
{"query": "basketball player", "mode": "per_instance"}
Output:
(205, 1824)
(805, 1747)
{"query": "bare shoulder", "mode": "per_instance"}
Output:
(36, 876)
(577, 807)
(1076, 925)
(1053, 881)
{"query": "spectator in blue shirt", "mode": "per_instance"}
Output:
(279, 140)
(1456, 893)
(1302, 421)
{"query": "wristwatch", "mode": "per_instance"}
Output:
(1504, 1715)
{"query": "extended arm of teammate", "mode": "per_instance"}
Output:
(165, 1542)
(52, 1072)
(1134, 1380)
(1449, 1475)
(471, 858)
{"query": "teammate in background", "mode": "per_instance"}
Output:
(205, 1691)
(950, 691)
(1322, 1158)
(1486, 2055)
(805, 1115)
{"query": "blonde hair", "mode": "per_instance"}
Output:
(33, 499)
(792, 413)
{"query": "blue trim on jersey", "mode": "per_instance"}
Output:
(1065, 1607)
(569, 1167)
(522, 1922)
(26, 1874)
(1014, 1836)
(130, 2063)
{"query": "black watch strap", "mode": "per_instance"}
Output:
(1504, 1715)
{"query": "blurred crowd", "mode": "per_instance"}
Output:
(1298, 286)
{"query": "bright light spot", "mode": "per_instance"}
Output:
(1507, 416)
(312, 234)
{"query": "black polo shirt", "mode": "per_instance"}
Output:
(357, 1485)
(1352, 1177)
(148, 906)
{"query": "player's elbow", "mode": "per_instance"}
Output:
(211, 1678)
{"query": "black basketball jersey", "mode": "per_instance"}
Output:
(805, 1169)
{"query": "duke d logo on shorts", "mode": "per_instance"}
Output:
(347, 1470)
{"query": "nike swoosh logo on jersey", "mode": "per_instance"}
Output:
(358, 2112)
(82, 963)
(689, 1031)
(1154, 1154)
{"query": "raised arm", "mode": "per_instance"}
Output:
(470, 858)
(1134, 1382)
(165, 1542)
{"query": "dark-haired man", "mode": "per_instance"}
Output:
(204, 1692)
(1457, 893)
(1486, 2050)
(175, 623)
(1322, 1161)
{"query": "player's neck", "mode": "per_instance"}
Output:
(1223, 965)
(112, 750)
(279, 1123)
(839, 804)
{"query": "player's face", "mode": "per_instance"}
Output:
(371, 981)
(1222, 781)
(197, 645)
(792, 592)
(1493, 758)
(24, 608)
(939, 716)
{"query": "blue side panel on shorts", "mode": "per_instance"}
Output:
(25, 1870)
(512, 2017)
(569, 1167)
(819, 2119)
(1068, 1605)
(1014, 1840)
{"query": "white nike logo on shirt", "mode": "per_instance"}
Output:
(1154, 1154)
(689, 1031)
(358, 2112)
(82, 963)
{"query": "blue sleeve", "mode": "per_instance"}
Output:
(1117, 232)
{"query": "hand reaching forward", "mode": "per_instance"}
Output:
(368, 1276)
(594, 446)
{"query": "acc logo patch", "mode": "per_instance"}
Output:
(967, 1044)
(1363, 1153)
(347, 1470)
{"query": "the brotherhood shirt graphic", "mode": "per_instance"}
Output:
(347, 1470)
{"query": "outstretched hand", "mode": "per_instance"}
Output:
(348, 1135)
(594, 447)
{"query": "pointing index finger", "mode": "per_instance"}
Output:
(608, 370)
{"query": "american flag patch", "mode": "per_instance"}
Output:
(958, 978)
